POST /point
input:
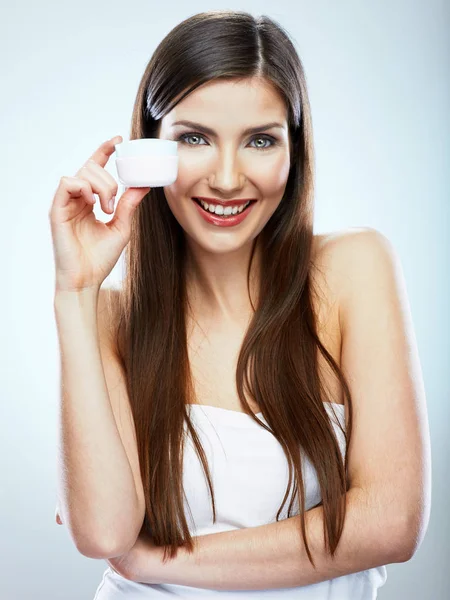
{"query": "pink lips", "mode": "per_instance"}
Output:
(227, 221)
(238, 202)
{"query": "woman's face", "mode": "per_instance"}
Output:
(219, 160)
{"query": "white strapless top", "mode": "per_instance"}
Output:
(250, 475)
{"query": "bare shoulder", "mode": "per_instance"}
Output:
(342, 261)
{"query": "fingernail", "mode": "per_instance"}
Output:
(111, 203)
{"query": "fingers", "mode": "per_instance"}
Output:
(89, 180)
(70, 188)
(102, 183)
(127, 204)
(104, 151)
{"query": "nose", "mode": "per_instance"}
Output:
(227, 178)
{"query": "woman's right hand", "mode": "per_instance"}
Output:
(86, 249)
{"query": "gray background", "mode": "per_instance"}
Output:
(378, 77)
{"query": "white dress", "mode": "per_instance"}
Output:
(249, 474)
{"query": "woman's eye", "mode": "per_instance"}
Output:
(184, 136)
(267, 138)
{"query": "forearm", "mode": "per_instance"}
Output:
(95, 481)
(274, 555)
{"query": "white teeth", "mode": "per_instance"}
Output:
(220, 210)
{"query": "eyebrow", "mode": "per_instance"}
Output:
(212, 133)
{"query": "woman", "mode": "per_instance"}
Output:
(247, 412)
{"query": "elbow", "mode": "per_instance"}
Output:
(92, 549)
(107, 546)
(405, 552)
(98, 548)
(101, 551)
(411, 532)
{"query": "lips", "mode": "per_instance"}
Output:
(216, 201)
(232, 220)
(197, 201)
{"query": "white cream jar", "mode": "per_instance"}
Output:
(147, 162)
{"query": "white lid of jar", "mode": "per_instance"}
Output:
(146, 147)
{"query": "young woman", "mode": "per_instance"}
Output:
(246, 415)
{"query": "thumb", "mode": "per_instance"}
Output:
(126, 206)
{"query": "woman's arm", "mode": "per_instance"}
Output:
(99, 495)
(388, 503)
(274, 556)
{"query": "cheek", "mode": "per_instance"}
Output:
(271, 174)
(190, 171)
(189, 174)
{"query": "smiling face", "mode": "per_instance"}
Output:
(221, 160)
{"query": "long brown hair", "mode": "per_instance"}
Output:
(281, 341)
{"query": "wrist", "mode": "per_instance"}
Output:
(76, 298)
